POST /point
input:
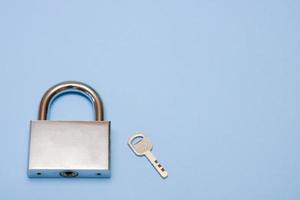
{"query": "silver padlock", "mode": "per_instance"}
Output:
(69, 148)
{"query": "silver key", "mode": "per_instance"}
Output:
(143, 147)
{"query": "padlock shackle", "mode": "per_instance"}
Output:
(66, 87)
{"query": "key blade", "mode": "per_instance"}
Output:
(157, 166)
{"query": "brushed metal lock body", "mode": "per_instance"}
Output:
(69, 148)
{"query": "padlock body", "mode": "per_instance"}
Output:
(69, 149)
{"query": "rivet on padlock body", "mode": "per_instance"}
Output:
(69, 148)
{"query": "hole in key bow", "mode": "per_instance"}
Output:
(137, 139)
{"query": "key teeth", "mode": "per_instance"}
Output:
(163, 173)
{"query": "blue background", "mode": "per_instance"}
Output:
(214, 84)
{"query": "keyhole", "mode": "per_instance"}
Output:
(68, 174)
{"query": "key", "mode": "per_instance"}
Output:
(142, 146)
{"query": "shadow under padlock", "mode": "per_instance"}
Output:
(69, 148)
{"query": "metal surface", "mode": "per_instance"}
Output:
(56, 146)
(141, 146)
(69, 148)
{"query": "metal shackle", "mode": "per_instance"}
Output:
(66, 87)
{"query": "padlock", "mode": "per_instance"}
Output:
(69, 148)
